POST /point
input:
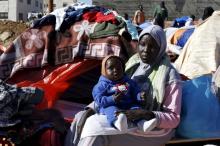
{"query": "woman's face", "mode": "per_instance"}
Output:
(148, 49)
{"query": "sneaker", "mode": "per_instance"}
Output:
(147, 126)
(121, 123)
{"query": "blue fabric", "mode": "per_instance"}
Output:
(145, 25)
(185, 36)
(180, 22)
(132, 30)
(103, 96)
(200, 117)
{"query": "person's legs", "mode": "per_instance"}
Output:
(110, 113)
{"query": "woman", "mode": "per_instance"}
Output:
(151, 69)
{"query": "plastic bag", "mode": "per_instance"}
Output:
(200, 117)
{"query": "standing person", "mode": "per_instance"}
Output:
(139, 16)
(159, 20)
(131, 27)
(115, 91)
(162, 10)
(152, 70)
(126, 17)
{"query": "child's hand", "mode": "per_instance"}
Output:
(118, 96)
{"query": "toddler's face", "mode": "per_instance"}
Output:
(114, 69)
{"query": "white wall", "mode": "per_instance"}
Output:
(3, 6)
(60, 3)
(89, 2)
(16, 7)
(12, 10)
(57, 4)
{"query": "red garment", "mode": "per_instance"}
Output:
(4, 141)
(57, 81)
(99, 17)
(49, 138)
(68, 57)
(90, 16)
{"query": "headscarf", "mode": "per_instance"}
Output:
(103, 70)
(159, 36)
(162, 4)
(207, 12)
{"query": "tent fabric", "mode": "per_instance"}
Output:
(177, 38)
(49, 59)
(177, 35)
(180, 22)
(185, 36)
(200, 54)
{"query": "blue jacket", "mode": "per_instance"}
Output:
(103, 93)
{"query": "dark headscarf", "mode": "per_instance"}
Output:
(162, 4)
(207, 12)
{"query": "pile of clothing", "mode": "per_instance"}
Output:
(62, 45)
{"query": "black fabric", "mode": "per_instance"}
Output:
(47, 20)
(33, 124)
(81, 89)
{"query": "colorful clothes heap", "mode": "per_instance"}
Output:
(61, 46)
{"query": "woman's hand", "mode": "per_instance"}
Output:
(137, 114)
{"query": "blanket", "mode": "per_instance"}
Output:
(49, 59)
